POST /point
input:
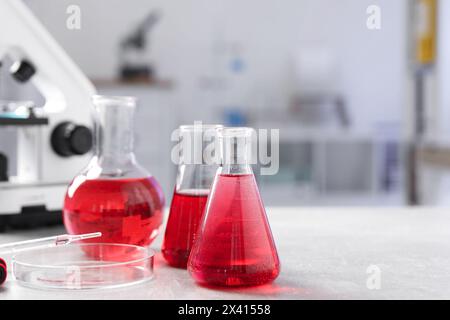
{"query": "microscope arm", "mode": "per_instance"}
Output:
(22, 37)
(67, 92)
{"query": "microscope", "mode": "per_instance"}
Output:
(54, 140)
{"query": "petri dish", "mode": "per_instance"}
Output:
(84, 266)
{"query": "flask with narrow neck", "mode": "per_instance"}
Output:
(235, 246)
(196, 171)
(114, 194)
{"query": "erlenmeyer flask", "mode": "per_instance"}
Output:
(114, 195)
(194, 180)
(235, 246)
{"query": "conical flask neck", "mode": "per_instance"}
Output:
(236, 150)
(236, 169)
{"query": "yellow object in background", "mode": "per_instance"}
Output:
(426, 31)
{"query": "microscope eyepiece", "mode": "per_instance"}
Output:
(22, 70)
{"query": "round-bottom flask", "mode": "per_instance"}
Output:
(114, 195)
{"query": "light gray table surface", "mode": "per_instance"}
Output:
(325, 254)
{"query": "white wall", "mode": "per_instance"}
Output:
(371, 63)
(443, 70)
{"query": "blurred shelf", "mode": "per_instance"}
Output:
(437, 156)
(292, 133)
(163, 84)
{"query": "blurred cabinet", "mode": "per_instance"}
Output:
(335, 168)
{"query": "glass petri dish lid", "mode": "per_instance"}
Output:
(82, 266)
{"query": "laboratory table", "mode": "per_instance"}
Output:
(329, 253)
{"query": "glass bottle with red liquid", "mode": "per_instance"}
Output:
(235, 246)
(194, 180)
(114, 195)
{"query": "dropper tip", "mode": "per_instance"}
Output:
(79, 237)
(90, 235)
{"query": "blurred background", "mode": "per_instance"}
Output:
(362, 105)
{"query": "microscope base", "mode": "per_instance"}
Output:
(34, 218)
(26, 206)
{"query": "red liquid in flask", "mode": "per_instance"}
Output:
(127, 211)
(186, 212)
(235, 245)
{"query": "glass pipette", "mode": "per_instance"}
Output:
(63, 239)
(41, 243)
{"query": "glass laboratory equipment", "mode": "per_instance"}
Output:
(39, 244)
(114, 195)
(235, 246)
(68, 267)
(194, 180)
(48, 242)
